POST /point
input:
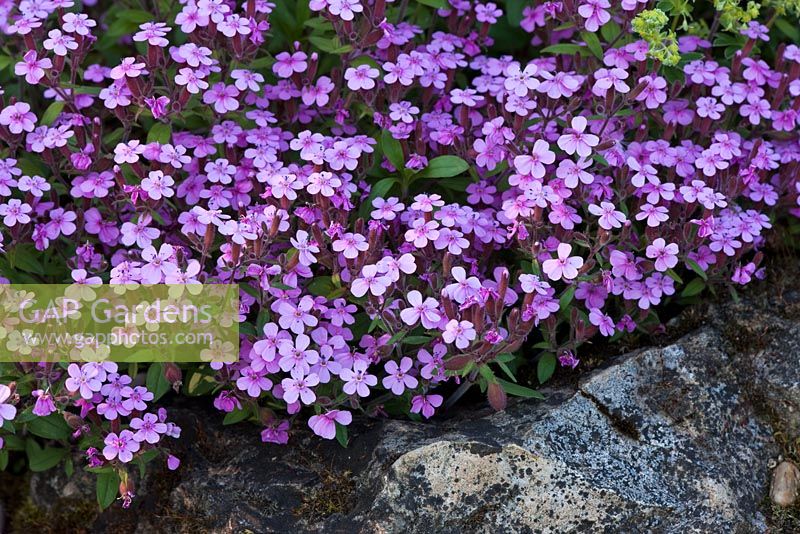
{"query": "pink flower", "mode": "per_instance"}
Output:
(59, 43)
(224, 98)
(324, 425)
(464, 288)
(426, 311)
(565, 266)
(157, 185)
(602, 321)
(426, 404)
(361, 77)
(299, 387)
(577, 141)
(128, 68)
(399, 379)
(148, 428)
(297, 317)
(345, 9)
(666, 256)
(253, 381)
(351, 245)
(421, 232)
(32, 68)
(370, 281)
(158, 264)
(15, 211)
(7, 411)
(83, 379)
(18, 117)
(287, 64)
(533, 165)
(120, 446)
(357, 380)
(462, 333)
(610, 217)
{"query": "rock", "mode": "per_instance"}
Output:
(673, 439)
(785, 481)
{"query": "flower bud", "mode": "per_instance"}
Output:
(497, 397)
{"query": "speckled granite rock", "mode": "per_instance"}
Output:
(674, 439)
(660, 441)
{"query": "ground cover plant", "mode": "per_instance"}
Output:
(416, 197)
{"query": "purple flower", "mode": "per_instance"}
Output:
(121, 446)
(398, 378)
(325, 425)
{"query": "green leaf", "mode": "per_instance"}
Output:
(593, 43)
(329, 45)
(610, 30)
(546, 367)
(695, 287)
(26, 258)
(156, 382)
(42, 459)
(3, 459)
(235, 416)
(566, 298)
(438, 4)
(392, 149)
(564, 48)
(321, 286)
(107, 488)
(672, 274)
(696, 268)
(159, 133)
(416, 340)
(341, 435)
(443, 167)
(792, 31)
(51, 427)
(519, 391)
(51, 113)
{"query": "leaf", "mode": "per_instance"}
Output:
(235, 416)
(321, 286)
(51, 427)
(3, 459)
(107, 488)
(610, 30)
(443, 167)
(563, 48)
(42, 459)
(341, 435)
(51, 113)
(159, 133)
(156, 382)
(693, 265)
(788, 29)
(329, 45)
(593, 43)
(519, 391)
(546, 367)
(672, 274)
(438, 4)
(392, 149)
(25, 258)
(566, 298)
(695, 287)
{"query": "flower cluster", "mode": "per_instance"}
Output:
(403, 205)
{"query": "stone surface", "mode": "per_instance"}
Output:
(785, 481)
(673, 439)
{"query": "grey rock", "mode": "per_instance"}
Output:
(673, 439)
